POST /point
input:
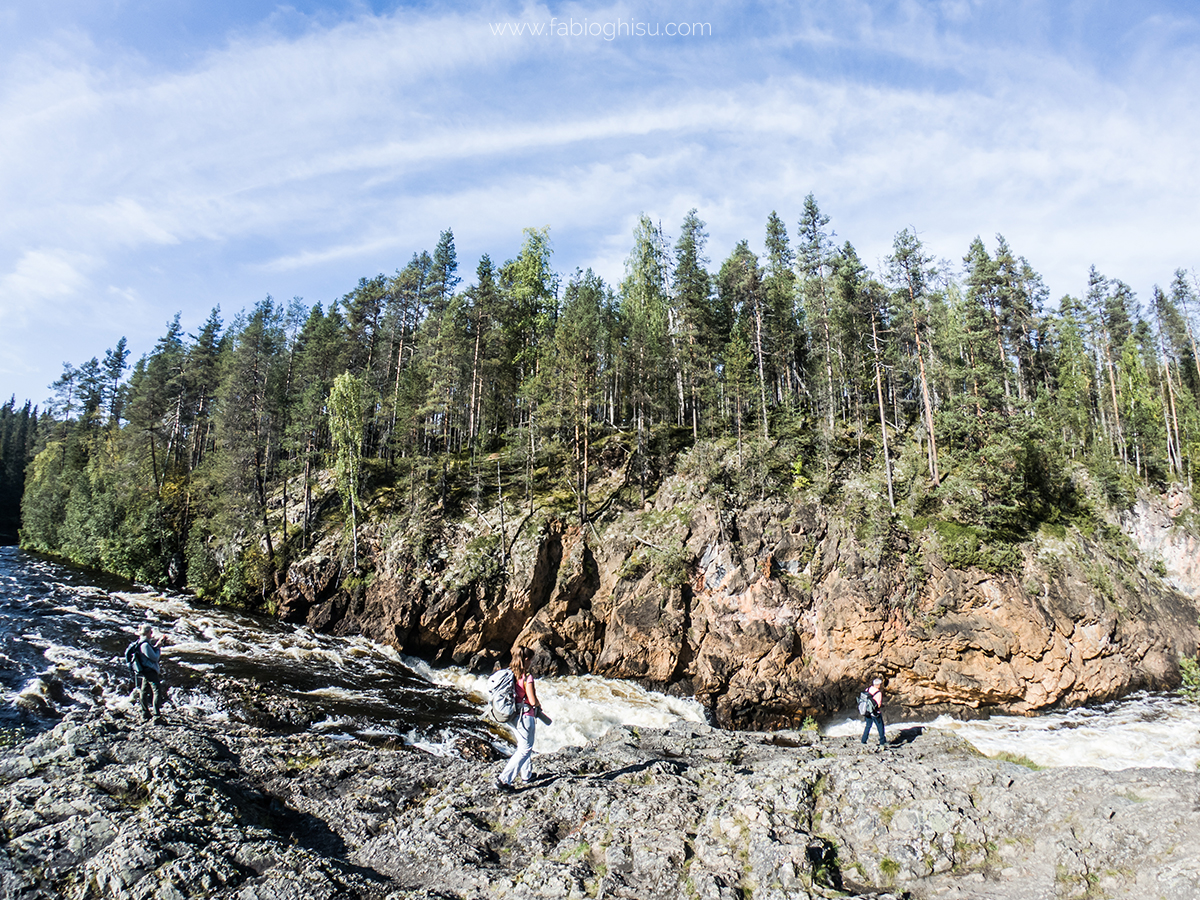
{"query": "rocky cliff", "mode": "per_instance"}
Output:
(101, 807)
(773, 612)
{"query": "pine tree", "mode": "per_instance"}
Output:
(364, 308)
(483, 299)
(1108, 325)
(409, 296)
(249, 416)
(204, 378)
(813, 258)
(574, 385)
(443, 274)
(645, 309)
(1075, 379)
(116, 361)
(740, 281)
(347, 411)
(701, 331)
(532, 290)
(910, 272)
(779, 289)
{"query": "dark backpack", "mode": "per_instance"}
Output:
(866, 704)
(134, 659)
(502, 695)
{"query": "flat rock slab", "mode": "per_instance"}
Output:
(104, 807)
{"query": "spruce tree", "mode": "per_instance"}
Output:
(645, 309)
(701, 329)
(812, 260)
(910, 271)
(740, 281)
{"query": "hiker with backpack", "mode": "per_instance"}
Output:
(525, 713)
(870, 706)
(144, 659)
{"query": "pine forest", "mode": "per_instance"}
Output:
(959, 393)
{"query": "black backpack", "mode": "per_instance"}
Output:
(134, 659)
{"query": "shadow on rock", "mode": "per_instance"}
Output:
(906, 735)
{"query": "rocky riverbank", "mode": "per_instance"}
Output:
(104, 807)
(775, 611)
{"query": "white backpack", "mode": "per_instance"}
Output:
(502, 695)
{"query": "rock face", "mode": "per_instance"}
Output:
(774, 612)
(100, 807)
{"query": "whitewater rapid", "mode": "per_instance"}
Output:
(62, 638)
(1144, 730)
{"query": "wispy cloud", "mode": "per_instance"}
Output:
(38, 285)
(293, 162)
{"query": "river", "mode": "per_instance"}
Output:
(63, 632)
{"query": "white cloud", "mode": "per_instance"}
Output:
(275, 162)
(39, 283)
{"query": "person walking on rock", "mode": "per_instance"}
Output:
(520, 765)
(144, 657)
(874, 714)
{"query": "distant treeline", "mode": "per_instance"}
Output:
(18, 442)
(939, 391)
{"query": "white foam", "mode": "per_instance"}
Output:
(1146, 730)
(345, 694)
(336, 724)
(443, 746)
(582, 707)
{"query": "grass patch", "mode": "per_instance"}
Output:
(890, 868)
(1018, 759)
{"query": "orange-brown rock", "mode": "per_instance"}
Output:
(771, 613)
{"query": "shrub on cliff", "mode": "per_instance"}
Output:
(1189, 672)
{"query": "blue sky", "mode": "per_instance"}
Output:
(160, 157)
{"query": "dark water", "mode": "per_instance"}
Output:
(63, 632)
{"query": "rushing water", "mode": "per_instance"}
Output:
(63, 634)
(1144, 730)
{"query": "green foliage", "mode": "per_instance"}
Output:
(244, 578)
(634, 567)
(18, 438)
(705, 464)
(800, 481)
(774, 375)
(478, 563)
(346, 412)
(963, 546)
(1118, 487)
(1189, 673)
(1054, 530)
(890, 868)
(203, 572)
(669, 565)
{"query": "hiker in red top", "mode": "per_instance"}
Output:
(525, 724)
(875, 717)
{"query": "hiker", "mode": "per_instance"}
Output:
(143, 656)
(874, 714)
(525, 723)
